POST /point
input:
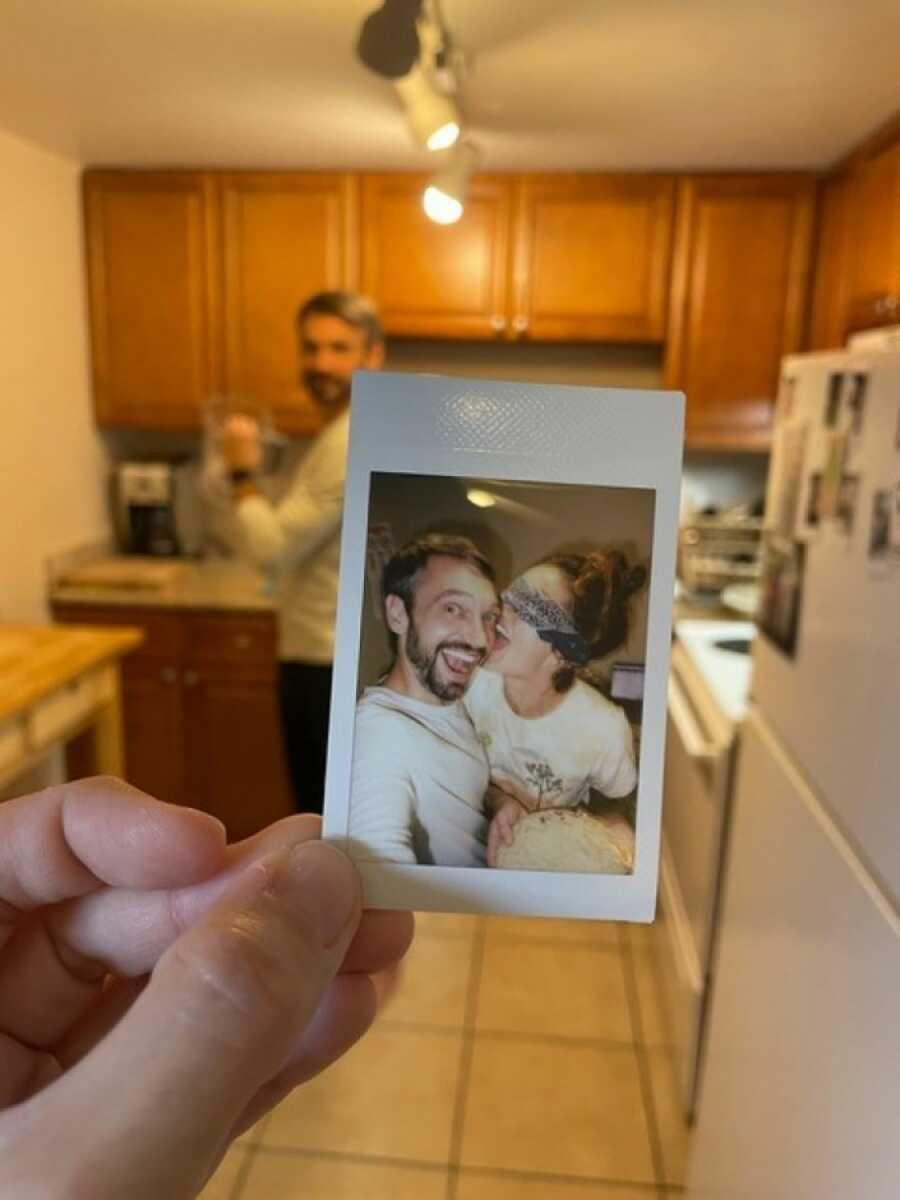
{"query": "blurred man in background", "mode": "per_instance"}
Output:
(297, 540)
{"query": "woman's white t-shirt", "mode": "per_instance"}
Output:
(554, 760)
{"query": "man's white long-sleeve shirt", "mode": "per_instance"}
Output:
(298, 542)
(419, 779)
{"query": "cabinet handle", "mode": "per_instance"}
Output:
(191, 678)
(169, 675)
(880, 306)
(892, 303)
(242, 641)
(498, 323)
(520, 324)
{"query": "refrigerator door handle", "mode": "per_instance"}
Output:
(687, 727)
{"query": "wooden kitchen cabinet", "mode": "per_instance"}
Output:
(285, 236)
(153, 722)
(152, 259)
(232, 766)
(430, 280)
(739, 289)
(831, 283)
(592, 257)
(874, 294)
(201, 722)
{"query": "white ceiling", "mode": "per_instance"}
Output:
(551, 83)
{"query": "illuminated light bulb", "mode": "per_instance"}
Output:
(444, 138)
(440, 207)
(480, 499)
(445, 194)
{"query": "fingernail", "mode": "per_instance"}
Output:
(322, 883)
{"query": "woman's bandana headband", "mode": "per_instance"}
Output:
(551, 623)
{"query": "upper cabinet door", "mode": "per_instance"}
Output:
(738, 301)
(151, 256)
(592, 257)
(285, 237)
(435, 280)
(875, 286)
(831, 286)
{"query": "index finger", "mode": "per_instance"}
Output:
(69, 840)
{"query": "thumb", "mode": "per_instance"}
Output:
(221, 1014)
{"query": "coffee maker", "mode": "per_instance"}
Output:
(146, 508)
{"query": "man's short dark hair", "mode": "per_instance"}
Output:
(400, 574)
(355, 310)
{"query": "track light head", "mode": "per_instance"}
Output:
(388, 41)
(445, 196)
(432, 116)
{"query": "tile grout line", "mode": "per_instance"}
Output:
(251, 1149)
(514, 1035)
(465, 1067)
(647, 1098)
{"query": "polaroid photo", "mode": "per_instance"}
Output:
(880, 528)
(499, 705)
(782, 570)
(846, 505)
(856, 402)
(833, 400)
(812, 500)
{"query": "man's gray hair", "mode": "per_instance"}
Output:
(355, 310)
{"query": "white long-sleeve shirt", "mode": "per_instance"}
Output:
(298, 542)
(419, 780)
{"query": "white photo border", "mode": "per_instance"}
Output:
(603, 437)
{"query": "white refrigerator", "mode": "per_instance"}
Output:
(800, 1098)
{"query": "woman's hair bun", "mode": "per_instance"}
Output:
(635, 578)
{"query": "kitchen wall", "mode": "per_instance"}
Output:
(53, 464)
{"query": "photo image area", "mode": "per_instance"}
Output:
(502, 648)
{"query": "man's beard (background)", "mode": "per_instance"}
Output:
(328, 391)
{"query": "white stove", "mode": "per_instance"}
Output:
(720, 650)
(708, 690)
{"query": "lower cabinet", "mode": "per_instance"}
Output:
(200, 712)
(233, 758)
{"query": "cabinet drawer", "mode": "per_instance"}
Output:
(250, 641)
(163, 632)
(63, 709)
(13, 742)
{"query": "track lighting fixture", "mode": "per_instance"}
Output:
(432, 116)
(445, 195)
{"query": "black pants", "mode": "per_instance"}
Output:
(304, 696)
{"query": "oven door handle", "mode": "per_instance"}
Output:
(687, 727)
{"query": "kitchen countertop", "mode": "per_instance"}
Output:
(217, 584)
(232, 586)
(38, 659)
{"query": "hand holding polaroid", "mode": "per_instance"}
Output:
(478, 761)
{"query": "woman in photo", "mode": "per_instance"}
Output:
(552, 740)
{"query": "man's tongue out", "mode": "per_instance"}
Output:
(459, 663)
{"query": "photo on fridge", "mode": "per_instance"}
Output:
(846, 506)
(500, 714)
(778, 615)
(880, 530)
(833, 400)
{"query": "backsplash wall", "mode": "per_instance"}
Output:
(709, 479)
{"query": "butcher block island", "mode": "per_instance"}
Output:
(60, 686)
(199, 698)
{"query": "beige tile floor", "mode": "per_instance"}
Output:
(519, 1060)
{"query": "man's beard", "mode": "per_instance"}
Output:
(426, 667)
(328, 391)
